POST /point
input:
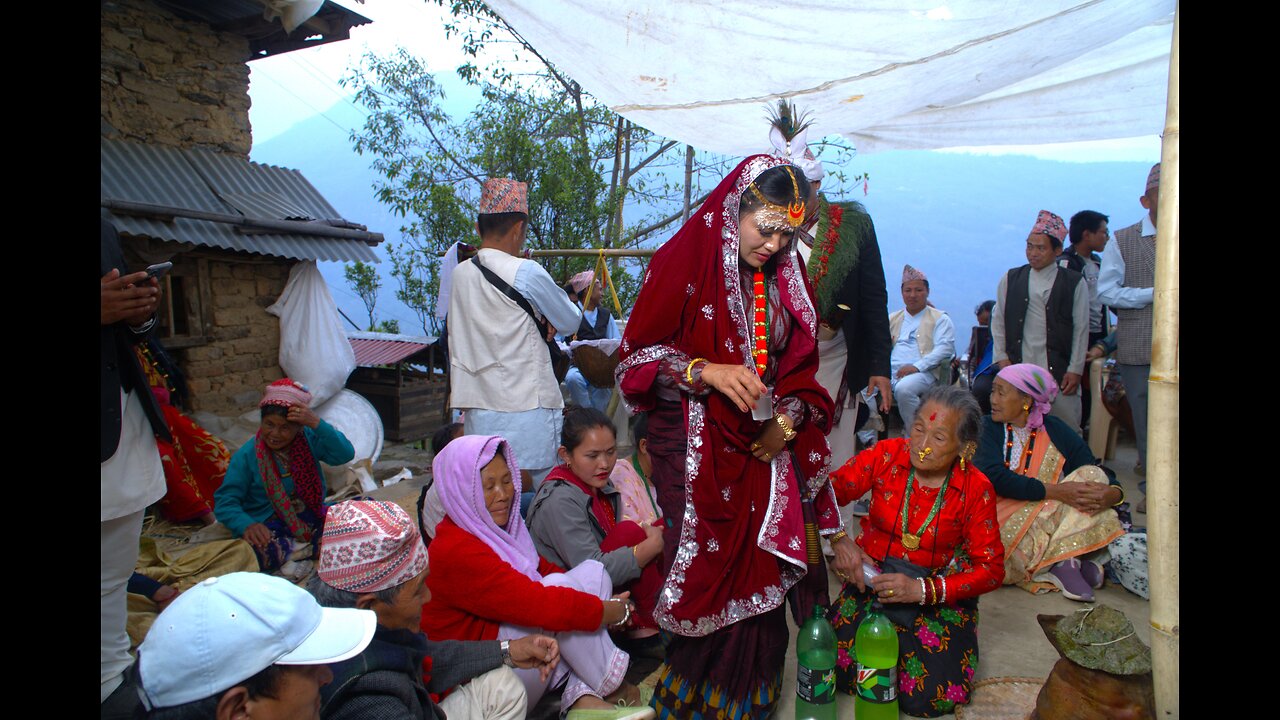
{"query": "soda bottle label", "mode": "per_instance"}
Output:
(816, 686)
(877, 685)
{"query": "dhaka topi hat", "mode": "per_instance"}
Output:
(1153, 177)
(286, 392)
(504, 195)
(1049, 224)
(582, 280)
(909, 273)
(227, 629)
(369, 545)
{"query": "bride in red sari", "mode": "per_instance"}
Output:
(725, 317)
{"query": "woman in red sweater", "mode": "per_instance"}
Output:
(932, 529)
(487, 581)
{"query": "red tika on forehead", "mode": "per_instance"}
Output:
(934, 416)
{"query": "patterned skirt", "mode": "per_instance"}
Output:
(282, 544)
(937, 652)
(732, 674)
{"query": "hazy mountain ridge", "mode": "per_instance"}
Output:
(961, 219)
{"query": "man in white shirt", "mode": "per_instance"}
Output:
(1126, 283)
(500, 370)
(1042, 316)
(924, 341)
(132, 476)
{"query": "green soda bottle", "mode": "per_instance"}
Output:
(816, 668)
(875, 692)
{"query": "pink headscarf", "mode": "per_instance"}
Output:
(1036, 382)
(457, 480)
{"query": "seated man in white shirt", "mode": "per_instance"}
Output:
(924, 341)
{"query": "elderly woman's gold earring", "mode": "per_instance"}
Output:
(967, 453)
(1026, 407)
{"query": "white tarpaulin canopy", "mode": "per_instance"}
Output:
(887, 74)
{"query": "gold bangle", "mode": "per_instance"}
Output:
(788, 433)
(688, 370)
(835, 537)
(1121, 500)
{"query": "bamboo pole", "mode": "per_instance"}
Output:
(688, 183)
(592, 252)
(1162, 430)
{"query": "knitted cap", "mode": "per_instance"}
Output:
(369, 545)
(286, 392)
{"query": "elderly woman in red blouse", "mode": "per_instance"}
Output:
(932, 532)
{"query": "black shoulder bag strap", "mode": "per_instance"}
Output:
(558, 358)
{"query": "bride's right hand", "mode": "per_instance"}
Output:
(738, 383)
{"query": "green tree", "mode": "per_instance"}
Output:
(363, 279)
(389, 326)
(587, 167)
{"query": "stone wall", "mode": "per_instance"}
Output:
(227, 375)
(173, 82)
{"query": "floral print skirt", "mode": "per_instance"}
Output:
(937, 652)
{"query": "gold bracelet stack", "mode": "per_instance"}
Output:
(788, 433)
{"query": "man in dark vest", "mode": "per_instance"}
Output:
(1127, 284)
(1042, 316)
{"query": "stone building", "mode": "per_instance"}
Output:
(178, 185)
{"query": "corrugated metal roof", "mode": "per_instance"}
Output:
(383, 352)
(195, 178)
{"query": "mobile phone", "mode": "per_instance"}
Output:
(158, 270)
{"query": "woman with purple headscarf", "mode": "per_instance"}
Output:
(487, 582)
(1056, 506)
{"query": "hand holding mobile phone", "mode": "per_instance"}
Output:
(158, 270)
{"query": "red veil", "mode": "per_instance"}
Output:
(742, 540)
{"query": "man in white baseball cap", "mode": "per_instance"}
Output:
(245, 645)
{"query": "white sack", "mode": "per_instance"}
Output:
(313, 348)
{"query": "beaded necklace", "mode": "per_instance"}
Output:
(911, 541)
(761, 322)
(1026, 449)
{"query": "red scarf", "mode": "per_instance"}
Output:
(307, 484)
(601, 508)
(742, 546)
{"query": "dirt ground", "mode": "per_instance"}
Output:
(1012, 643)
